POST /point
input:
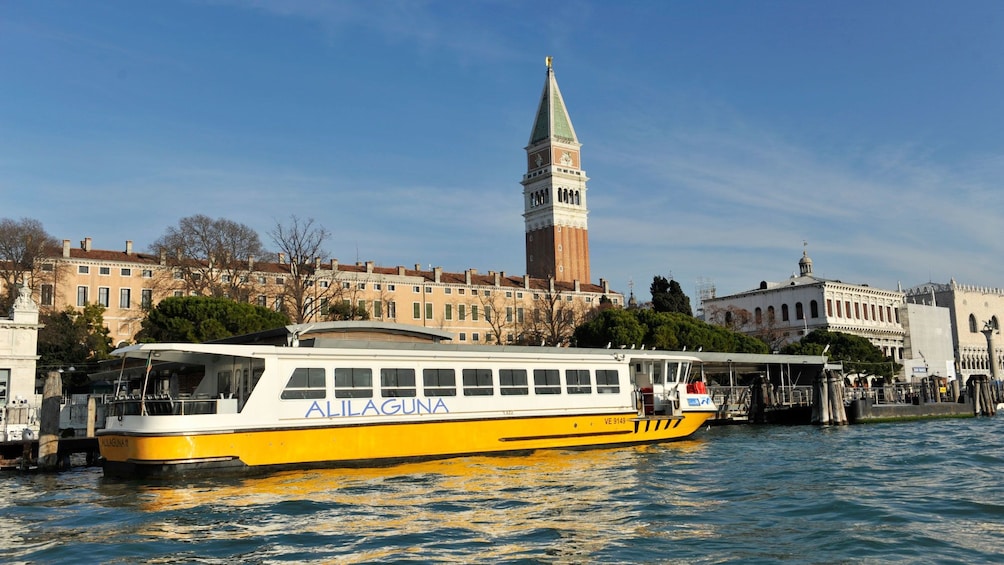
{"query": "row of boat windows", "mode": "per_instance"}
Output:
(357, 382)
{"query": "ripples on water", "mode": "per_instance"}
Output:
(908, 492)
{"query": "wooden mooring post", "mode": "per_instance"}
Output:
(48, 436)
(828, 400)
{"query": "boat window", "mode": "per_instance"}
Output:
(439, 382)
(672, 372)
(305, 383)
(607, 381)
(397, 383)
(546, 381)
(477, 382)
(577, 381)
(353, 382)
(513, 382)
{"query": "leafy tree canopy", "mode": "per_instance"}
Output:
(73, 339)
(857, 354)
(345, 311)
(668, 296)
(196, 319)
(662, 330)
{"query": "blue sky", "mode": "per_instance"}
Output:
(718, 136)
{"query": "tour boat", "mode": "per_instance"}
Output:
(343, 402)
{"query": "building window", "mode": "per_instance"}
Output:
(463, 336)
(972, 324)
(392, 309)
(416, 288)
(262, 300)
(814, 309)
(346, 285)
(376, 286)
(47, 292)
(125, 272)
(873, 311)
(81, 296)
(448, 312)
(428, 289)
(857, 310)
(881, 314)
(147, 273)
(447, 290)
(519, 315)
(474, 313)
(83, 270)
(428, 310)
(865, 308)
(280, 281)
(416, 310)
(758, 316)
(146, 298)
(361, 286)
(462, 312)
(378, 309)
(277, 303)
(461, 291)
(104, 271)
(847, 308)
(799, 311)
(784, 312)
(508, 314)
(391, 288)
(475, 337)
(829, 307)
(770, 315)
(180, 293)
(888, 314)
(125, 298)
(103, 296)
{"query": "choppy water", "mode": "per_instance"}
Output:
(908, 492)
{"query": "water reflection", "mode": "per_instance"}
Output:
(577, 501)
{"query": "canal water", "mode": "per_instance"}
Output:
(930, 492)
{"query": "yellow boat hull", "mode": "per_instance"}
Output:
(132, 454)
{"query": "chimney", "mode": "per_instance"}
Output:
(526, 281)
(317, 263)
(467, 277)
(400, 271)
(369, 266)
(66, 249)
(605, 285)
(282, 258)
(437, 274)
(334, 264)
(250, 262)
(577, 285)
(163, 257)
(498, 278)
(550, 284)
(418, 266)
(128, 247)
(86, 244)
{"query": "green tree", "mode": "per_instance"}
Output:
(344, 310)
(856, 353)
(668, 296)
(72, 340)
(196, 319)
(661, 330)
(613, 326)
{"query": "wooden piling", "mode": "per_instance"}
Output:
(48, 440)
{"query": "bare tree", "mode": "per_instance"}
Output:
(302, 242)
(494, 304)
(554, 318)
(24, 244)
(214, 257)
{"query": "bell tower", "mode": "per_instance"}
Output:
(554, 193)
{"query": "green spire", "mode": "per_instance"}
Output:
(552, 120)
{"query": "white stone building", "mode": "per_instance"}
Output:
(18, 346)
(782, 312)
(971, 309)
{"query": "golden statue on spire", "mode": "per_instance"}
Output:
(548, 60)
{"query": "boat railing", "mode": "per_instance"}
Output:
(165, 405)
